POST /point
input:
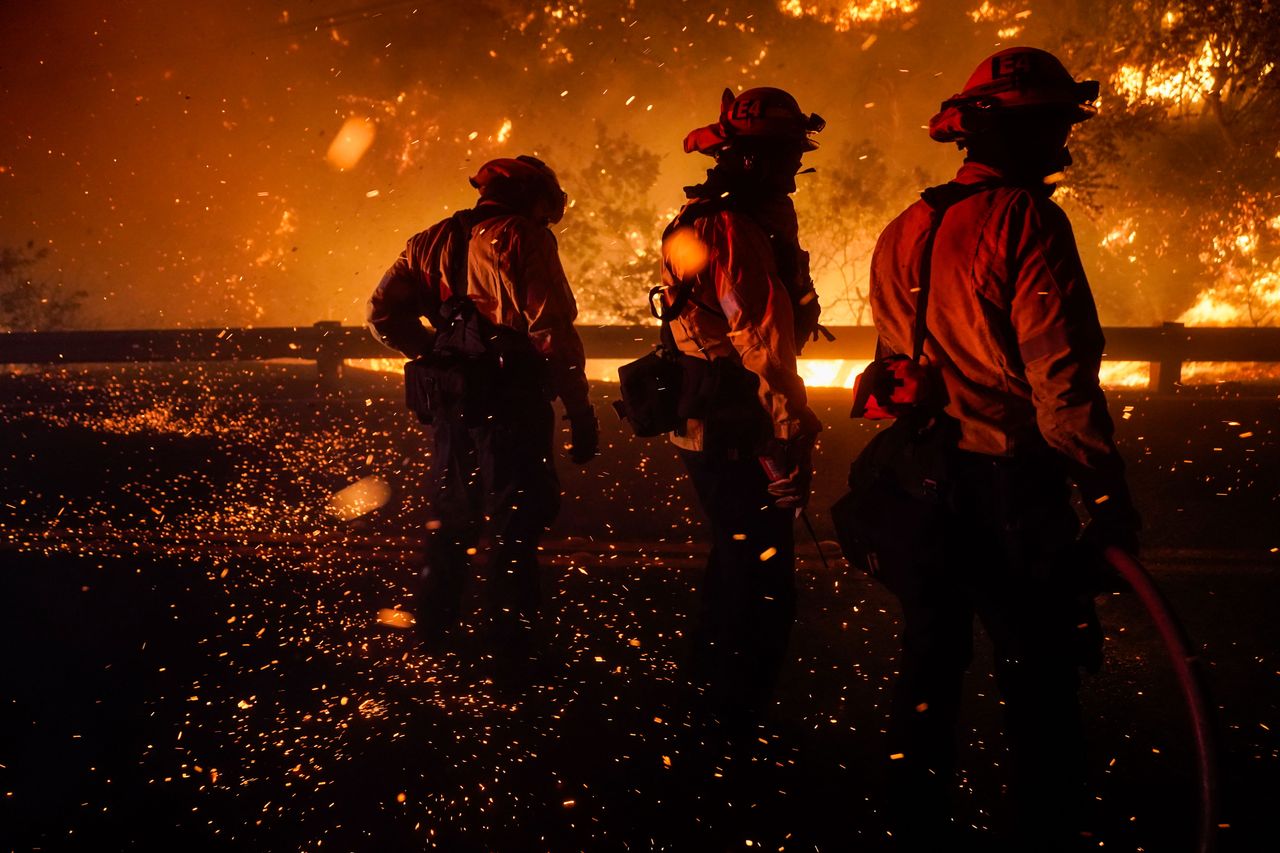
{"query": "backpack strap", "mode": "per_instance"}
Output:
(940, 199)
(689, 214)
(455, 235)
(460, 224)
(920, 328)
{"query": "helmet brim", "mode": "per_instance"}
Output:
(705, 140)
(963, 117)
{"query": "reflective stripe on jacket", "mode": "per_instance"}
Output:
(515, 278)
(734, 273)
(1012, 325)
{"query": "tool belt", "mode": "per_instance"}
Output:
(665, 389)
(724, 396)
(476, 370)
(651, 388)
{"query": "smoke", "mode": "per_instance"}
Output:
(248, 162)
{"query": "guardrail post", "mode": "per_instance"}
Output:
(329, 356)
(1166, 374)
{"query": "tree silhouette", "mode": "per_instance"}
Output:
(613, 230)
(29, 303)
(842, 210)
(1178, 171)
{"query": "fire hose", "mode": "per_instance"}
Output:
(1189, 670)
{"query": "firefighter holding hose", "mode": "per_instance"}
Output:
(490, 283)
(1012, 336)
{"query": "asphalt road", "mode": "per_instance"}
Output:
(194, 656)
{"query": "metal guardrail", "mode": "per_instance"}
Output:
(329, 344)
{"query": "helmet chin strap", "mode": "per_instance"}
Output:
(1058, 168)
(759, 170)
(1023, 163)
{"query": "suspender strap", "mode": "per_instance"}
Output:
(453, 245)
(940, 199)
(922, 298)
(462, 224)
(683, 290)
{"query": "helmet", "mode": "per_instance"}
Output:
(763, 112)
(524, 183)
(1014, 80)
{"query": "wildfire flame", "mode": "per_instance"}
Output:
(842, 372)
(844, 16)
(1186, 86)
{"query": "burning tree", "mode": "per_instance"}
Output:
(1200, 82)
(1180, 169)
(29, 303)
(612, 230)
(842, 210)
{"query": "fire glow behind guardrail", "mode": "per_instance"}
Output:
(841, 372)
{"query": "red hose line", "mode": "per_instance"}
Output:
(1190, 673)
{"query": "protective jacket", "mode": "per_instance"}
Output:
(1012, 326)
(515, 279)
(740, 306)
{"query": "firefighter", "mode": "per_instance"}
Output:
(738, 303)
(1013, 333)
(492, 470)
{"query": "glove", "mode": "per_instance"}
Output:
(1113, 519)
(1082, 569)
(1115, 522)
(789, 467)
(1081, 572)
(584, 437)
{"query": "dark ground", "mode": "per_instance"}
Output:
(193, 656)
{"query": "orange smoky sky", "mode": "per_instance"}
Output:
(231, 163)
(173, 156)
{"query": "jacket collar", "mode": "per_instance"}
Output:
(973, 172)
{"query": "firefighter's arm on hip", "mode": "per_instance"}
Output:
(758, 311)
(1061, 343)
(402, 298)
(550, 310)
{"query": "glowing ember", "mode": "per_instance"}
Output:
(688, 254)
(395, 618)
(360, 498)
(351, 143)
(305, 675)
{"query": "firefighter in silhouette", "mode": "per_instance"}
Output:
(1013, 335)
(737, 304)
(490, 283)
